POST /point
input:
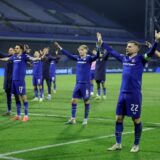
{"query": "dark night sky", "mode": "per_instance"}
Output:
(129, 13)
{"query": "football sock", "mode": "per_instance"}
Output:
(137, 133)
(9, 101)
(99, 91)
(118, 132)
(87, 109)
(36, 92)
(25, 108)
(104, 91)
(74, 109)
(54, 84)
(41, 93)
(18, 105)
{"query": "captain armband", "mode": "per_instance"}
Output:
(146, 57)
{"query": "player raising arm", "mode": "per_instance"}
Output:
(52, 69)
(19, 60)
(92, 73)
(82, 87)
(130, 98)
(100, 74)
(37, 78)
(45, 71)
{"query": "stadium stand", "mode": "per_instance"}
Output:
(58, 19)
(11, 13)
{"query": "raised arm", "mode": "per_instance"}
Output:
(2, 55)
(110, 50)
(106, 55)
(27, 48)
(34, 58)
(30, 58)
(54, 58)
(65, 52)
(149, 45)
(93, 58)
(157, 53)
(152, 50)
(57, 56)
(5, 59)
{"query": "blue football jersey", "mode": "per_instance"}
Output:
(132, 73)
(19, 66)
(37, 69)
(53, 61)
(132, 68)
(52, 68)
(83, 66)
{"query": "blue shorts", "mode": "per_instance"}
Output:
(129, 104)
(81, 90)
(18, 87)
(37, 81)
(92, 74)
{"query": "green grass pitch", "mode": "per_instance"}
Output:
(48, 138)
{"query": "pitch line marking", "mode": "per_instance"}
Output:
(100, 119)
(61, 116)
(10, 158)
(67, 143)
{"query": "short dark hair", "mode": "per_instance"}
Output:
(135, 43)
(21, 46)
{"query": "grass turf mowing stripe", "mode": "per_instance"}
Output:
(94, 118)
(67, 143)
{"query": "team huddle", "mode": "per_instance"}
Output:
(89, 66)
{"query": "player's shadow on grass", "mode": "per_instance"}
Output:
(123, 154)
(157, 126)
(73, 132)
(8, 123)
(102, 123)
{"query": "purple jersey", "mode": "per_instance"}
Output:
(37, 69)
(83, 66)
(132, 68)
(19, 66)
(132, 73)
(52, 69)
